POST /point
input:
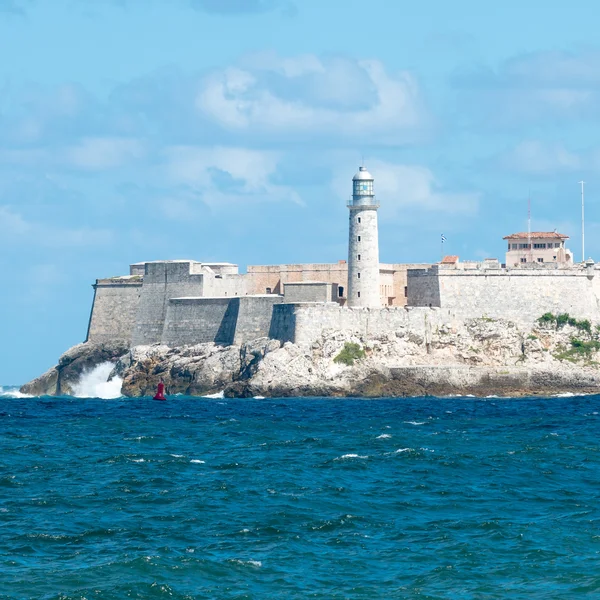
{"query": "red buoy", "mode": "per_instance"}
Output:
(160, 391)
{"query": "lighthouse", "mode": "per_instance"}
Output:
(363, 244)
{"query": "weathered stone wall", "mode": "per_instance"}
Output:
(225, 285)
(254, 317)
(392, 278)
(305, 323)
(423, 287)
(261, 278)
(114, 309)
(224, 321)
(310, 291)
(162, 281)
(192, 321)
(515, 294)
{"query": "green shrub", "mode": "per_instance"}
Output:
(562, 319)
(584, 325)
(349, 353)
(579, 350)
(582, 347)
(547, 318)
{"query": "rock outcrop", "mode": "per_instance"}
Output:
(61, 379)
(476, 356)
(480, 356)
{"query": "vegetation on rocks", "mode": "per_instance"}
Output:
(565, 319)
(350, 352)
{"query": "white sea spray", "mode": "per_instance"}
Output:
(94, 383)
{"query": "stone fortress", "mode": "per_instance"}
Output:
(187, 302)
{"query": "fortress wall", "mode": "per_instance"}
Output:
(224, 321)
(162, 281)
(304, 323)
(114, 309)
(254, 317)
(192, 321)
(314, 291)
(519, 294)
(274, 277)
(227, 285)
(283, 322)
(423, 288)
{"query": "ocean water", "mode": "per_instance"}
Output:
(299, 498)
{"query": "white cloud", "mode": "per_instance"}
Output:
(409, 188)
(307, 96)
(536, 157)
(88, 154)
(532, 87)
(17, 229)
(101, 153)
(224, 175)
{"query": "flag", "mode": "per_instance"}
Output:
(443, 238)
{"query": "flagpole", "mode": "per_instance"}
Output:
(582, 225)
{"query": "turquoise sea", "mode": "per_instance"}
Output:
(299, 498)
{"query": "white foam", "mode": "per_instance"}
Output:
(258, 397)
(94, 383)
(197, 461)
(217, 395)
(11, 392)
(400, 450)
(346, 456)
(384, 436)
(251, 563)
(415, 422)
(177, 455)
(138, 460)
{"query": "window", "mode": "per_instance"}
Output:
(554, 258)
(340, 292)
(268, 290)
(558, 245)
(358, 219)
(540, 260)
(515, 246)
(363, 188)
(358, 294)
(359, 257)
(358, 275)
(523, 260)
(406, 291)
(358, 238)
(524, 246)
(539, 246)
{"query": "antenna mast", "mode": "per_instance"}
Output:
(529, 226)
(582, 224)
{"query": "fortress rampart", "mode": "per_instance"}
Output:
(515, 294)
(170, 304)
(305, 323)
(114, 309)
(223, 321)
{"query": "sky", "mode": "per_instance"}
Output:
(229, 130)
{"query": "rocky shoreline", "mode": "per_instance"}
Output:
(480, 357)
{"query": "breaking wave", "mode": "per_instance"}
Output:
(12, 392)
(94, 383)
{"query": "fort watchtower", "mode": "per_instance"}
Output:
(363, 243)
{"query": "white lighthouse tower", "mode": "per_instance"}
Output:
(363, 244)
